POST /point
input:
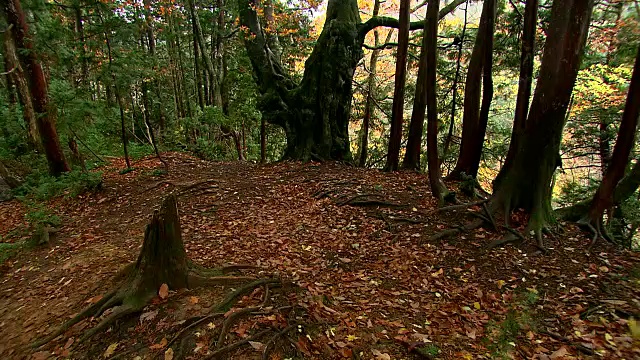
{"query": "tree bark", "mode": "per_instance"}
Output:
(371, 86)
(430, 49)
(314, 113)
(421, 98)
(45, 116)
(526, 74)
(604, 196)
(454, 87)
(397, 109)
(17, 77)
(474, 118)
(526, 180)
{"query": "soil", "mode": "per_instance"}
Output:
(370, 284)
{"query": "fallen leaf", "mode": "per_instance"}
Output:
(110, 350)
(193, 300)
(558, 354)
(163, 292)
(168, 355)
(161, 345)
(149, 315)
(257, 345)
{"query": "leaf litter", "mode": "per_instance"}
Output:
(353, 239)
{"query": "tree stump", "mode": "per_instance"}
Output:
(162, 260)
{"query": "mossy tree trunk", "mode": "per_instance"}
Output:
(315, 112)
(525, 181)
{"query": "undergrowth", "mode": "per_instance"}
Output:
(41, 186)
(503, 335)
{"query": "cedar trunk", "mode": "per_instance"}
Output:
(604, 196)
(526, 74)
(525, 181)
(397, 109)
(45, 117)
(473, 122)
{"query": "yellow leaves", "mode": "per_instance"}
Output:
(476, 305)
(168, 355)
(500, 283)
(634, 328)
(110, 350)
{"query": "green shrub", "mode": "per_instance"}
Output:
(42, 186)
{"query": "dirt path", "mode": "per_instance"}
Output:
(371, 283)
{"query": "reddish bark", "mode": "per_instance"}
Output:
(604, 196)
(45, 119)
(397, 110)
(473, 127)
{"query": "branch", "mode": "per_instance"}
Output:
(377, 21)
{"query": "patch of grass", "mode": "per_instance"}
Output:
(502, 336)
(126, 171)
(8, 250)
(429, 351)
(158, 172)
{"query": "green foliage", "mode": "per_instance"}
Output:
(41, 186)
(502, 336)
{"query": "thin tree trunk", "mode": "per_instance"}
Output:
(604, 196)
(397, 110)
(430, 49)
(471, 122)
(197, 75)
(454, 87)
(45, 117)
(16, 76)
(123, 134)
(526, 75)
(371, 86)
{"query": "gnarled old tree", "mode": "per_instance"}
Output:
(315, 112)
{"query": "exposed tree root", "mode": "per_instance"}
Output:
(450, 232)
(219, 352)
(367, 200)
(461, 206)
(568, 341)
(162, 261)
(271, 343)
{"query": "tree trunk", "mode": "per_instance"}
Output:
(430, 49)
(526, 180)
(123, 133)
(474, 121)
(371, 86)
(314, 113)
(454, 87)
(526, 75)
(397, 109)
(16, 76)
(423, 86)
(45, 117)
(197, 72)
(604, 196)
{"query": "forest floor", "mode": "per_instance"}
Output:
(371, 285)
